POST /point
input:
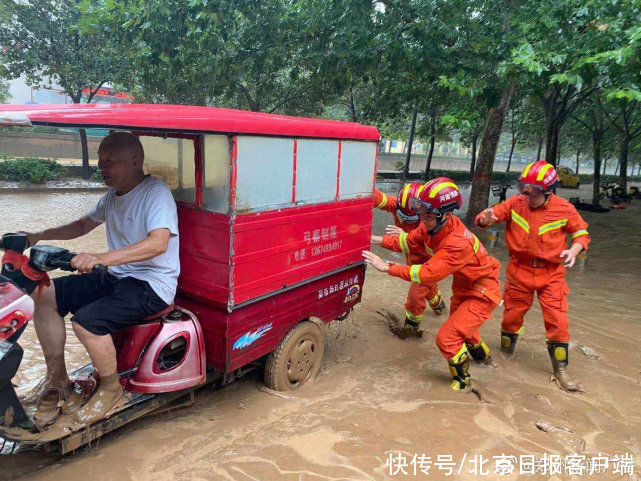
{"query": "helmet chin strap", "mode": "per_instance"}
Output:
(439, 225)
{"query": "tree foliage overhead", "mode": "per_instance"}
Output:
(4, 91)
(453, 63)
(42, 40)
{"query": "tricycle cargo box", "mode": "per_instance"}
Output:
(293, 210)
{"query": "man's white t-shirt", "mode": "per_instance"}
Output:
(129, 218)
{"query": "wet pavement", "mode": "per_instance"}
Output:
(378, 395)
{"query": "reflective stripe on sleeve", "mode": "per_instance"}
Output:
(414, 270)
(383, 202)
(579, 233)
(402, 240)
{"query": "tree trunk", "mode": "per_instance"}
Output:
(509, 159)
(558, 154)
(605, 165)
(552, 141)
(616, 169)
(596, 149)
(352, 107)
(428, 165)
(475, 138)
(406, 168)
(623, 160)
(538, 152)
(76, 97)
(552, 125)
(578, 152)
(491, 135)
(86, 172)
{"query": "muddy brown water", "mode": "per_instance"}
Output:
(378, 395)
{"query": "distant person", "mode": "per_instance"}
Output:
(537, 222)
(457, 252)
(141, 222)
(406, 220)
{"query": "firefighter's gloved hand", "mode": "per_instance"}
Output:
(393, 230)
(485, 218)
(569, 255)
(375, 261)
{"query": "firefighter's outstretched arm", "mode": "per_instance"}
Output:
(494, 215)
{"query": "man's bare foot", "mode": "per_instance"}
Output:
(106, 397)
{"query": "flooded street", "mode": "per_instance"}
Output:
(376, 394)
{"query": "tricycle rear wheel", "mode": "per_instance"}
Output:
(297, 359)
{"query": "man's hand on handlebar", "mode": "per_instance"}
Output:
(85, 262)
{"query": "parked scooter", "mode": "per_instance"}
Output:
(614, 193)
(634, 192)
(500, 190)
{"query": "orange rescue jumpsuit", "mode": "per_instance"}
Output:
(475, 287)
(419, 295)
(535, 238)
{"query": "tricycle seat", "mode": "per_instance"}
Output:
(158, 315)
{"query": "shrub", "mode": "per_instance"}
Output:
(30, 169)
(96, 175)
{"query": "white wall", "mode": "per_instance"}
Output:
(21, 93)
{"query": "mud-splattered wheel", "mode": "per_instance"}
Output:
(297, 359)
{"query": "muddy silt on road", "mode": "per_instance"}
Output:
(377, 394)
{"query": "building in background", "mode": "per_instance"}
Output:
(21, 93)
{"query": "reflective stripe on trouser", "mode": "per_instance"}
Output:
(549, 283)
(418, 296)
(467, 315)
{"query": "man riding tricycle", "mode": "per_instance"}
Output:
(233, 236)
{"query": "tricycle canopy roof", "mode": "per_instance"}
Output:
(181, 118)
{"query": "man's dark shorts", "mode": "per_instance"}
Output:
(106, 304)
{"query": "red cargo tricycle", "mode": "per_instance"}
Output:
(273, 212)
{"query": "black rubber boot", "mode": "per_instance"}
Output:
(410, 329)
(480, 353)
(508, 342)
(559, 356)
(460, 371)
(412, 324)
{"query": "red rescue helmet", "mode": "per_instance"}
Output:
(539, 175)
(403, 211)
(438, 196)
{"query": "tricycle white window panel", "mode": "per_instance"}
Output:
(357, 169)
(264, 175)
(172, 161)
(316, 170)
(216, 173)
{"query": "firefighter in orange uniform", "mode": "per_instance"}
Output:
(537, 222)
(406, 220)
(475, 288)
